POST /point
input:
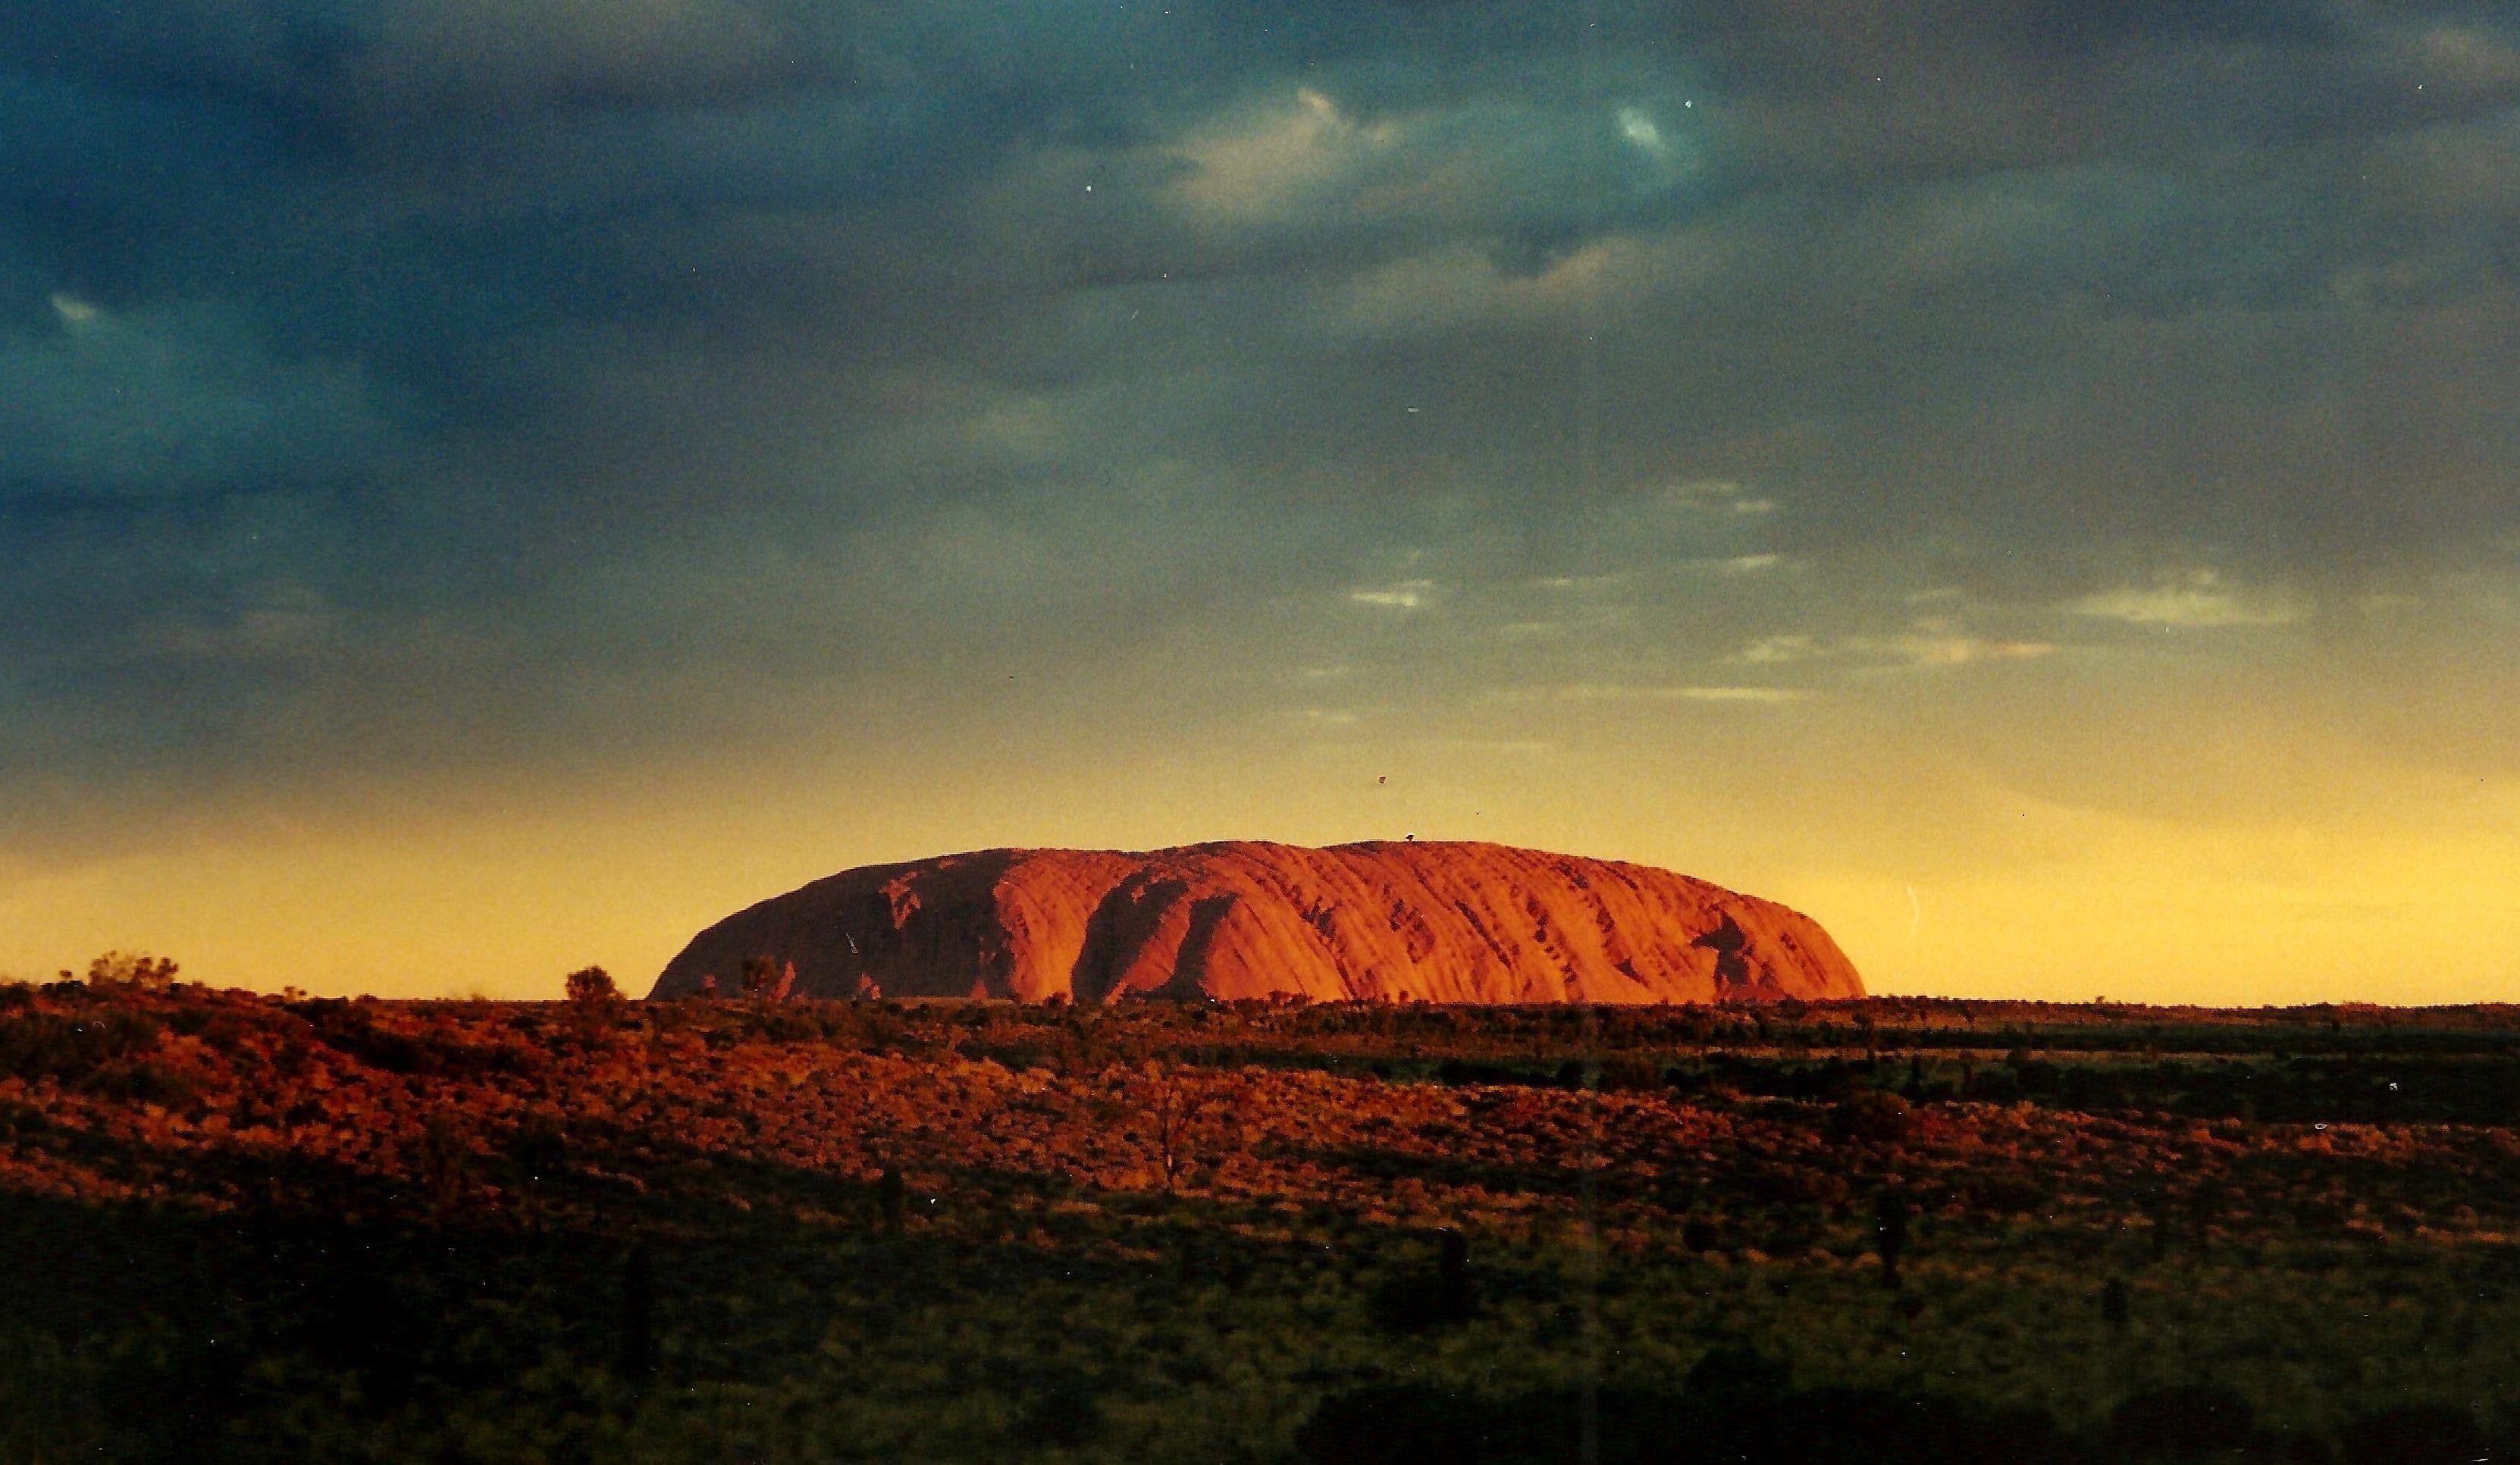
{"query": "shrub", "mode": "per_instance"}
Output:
(54, 1045)
(1735, 1373)
(1629, 1072)
(137, 971)
(2183, 1422)
(2414, 1434)
(1872, 1114)
(1890, 1233)
(139, 1080)
(893, 1198)
(1414, 1302)
(444, 1164)
(592, 986)
(767, 977)
(1746, 1417)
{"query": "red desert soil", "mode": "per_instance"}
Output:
(1392, 922)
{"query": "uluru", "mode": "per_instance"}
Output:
(1379, 921)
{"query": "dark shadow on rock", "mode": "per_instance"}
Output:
(1117, 932)
(1189, 968)
(1728, 941)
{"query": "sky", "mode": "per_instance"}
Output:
(493, 485)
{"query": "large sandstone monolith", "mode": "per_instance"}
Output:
(1388, 922)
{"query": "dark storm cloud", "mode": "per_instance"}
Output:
(424, 356)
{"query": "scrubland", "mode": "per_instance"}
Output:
(245, 1228)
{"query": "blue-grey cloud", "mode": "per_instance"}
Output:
(368, 370)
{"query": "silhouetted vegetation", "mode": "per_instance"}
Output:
(241, 1228)
(591, 986)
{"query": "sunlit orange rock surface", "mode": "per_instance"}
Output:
(1438, 922)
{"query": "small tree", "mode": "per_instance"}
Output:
(767, 977)
(1180, 1121)
(444, 1164)
(891, 1198)
(592, 1001)
(592, 986)
(138, 970)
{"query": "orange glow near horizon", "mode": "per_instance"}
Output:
(1949, 885)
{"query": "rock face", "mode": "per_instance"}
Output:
(1380, 921)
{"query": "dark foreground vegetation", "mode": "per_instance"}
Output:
(245, 1228)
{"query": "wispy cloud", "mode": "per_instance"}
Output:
(1324, 716)
(1740, 694)
(1928, 641)
(1928, 646)
(1401, 595)
(1619, 692)
(1772, 651)
(1722, 496)
(292, 623)
(2191, 598)
(1504, 746)
(1265, 162)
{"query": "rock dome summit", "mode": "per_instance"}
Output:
(1439, 922)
